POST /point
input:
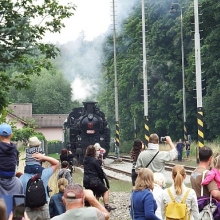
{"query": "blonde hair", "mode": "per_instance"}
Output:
(62, 183)
(154, 139)
(216, 161)
(145, 179)
(178, 174)
(159, 179)
(2, 210)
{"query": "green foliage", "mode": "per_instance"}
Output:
(25, 133)
(164, 71)
(49, 93)
(23, 26)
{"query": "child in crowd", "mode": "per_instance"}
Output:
(33, 165)
(65, 172)
(8, 152)
(214, 173)
(99, 153)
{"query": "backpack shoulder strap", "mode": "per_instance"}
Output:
(39, 175)
(203, 177)
(64, 174)
(170, 194)
(185, 196)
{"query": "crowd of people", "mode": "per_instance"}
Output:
(150, 199)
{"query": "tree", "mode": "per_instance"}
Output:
(25, 133)
(50, 94)
(23, 24)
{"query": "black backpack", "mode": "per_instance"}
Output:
(35, 192)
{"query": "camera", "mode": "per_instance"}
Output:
(163, 139)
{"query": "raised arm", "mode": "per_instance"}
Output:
(95, 203)
(54, 163)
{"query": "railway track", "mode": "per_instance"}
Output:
(168, 166)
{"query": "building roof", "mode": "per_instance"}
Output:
(21, 110)
(49, 120)
(24, 111)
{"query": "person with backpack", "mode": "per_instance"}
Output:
(35, 189)
(65, 172)
(178, 201)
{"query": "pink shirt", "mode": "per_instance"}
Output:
(212, 174)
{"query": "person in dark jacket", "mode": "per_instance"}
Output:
(56, 206)
(94, 176)
(137, 147)
(180, 145)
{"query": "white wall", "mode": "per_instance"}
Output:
(51, 133)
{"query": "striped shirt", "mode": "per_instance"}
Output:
(29, 159)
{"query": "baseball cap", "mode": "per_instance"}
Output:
(74, 191)
(5, 129)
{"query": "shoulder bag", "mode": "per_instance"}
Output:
(152, 159)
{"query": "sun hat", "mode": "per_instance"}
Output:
(97, 146)
(5, 129)
(74, 191)
(33, 142)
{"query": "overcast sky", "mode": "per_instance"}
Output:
(91, 16)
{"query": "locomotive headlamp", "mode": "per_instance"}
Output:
(79, 138)
(90, 116)
(102, 138)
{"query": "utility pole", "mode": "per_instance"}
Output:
(146, 119)
(183, 71)
(116, 88)
(198, 80)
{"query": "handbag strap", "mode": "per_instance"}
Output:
(152, 159)
(202, 189)
(203, 177)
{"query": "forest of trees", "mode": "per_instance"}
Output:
(164, 70)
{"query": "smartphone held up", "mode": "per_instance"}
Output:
(18, 207)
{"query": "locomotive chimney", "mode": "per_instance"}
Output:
(89, 106)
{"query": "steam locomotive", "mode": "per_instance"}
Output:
(85, 126)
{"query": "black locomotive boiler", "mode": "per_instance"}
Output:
(86, 126)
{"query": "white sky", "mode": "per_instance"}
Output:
(91, 16)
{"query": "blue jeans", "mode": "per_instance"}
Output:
(117, 152)
(33, 168)
(180, 155)
(187, 153)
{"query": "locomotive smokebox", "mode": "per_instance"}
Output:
(89, 106)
